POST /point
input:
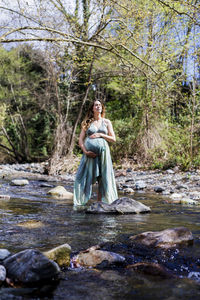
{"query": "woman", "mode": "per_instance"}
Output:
(96, 163)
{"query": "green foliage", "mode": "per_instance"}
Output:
(124, 139)
(22, 86)
(176, 150)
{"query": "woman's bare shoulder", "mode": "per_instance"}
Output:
(107, 121)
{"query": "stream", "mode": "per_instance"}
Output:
(33, 219)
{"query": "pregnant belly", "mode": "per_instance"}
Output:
(95, 145)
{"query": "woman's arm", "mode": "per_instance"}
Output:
(82, 146)
(110, 137)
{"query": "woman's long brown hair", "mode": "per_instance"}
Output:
(89, 118)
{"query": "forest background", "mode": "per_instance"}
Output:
(141, 58)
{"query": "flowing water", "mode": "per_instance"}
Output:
(32, 219)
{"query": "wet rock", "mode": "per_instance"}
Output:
(125, 186)
(140, 185)
(94, 257)
(158, 189)
(30, 266)
(120, 173)
(60, 254)
(195, 195)
(31, 224)
(5, 197)
(187, 201)
(182, 187)
(151, 269)
(121, 205)
(19, 182)
(169, 171)
(45, 184)
(119, 186)
(100, 207)
(128, 205)
(165, 239)
(61, 192)
(195, 276)
(128, 191)
(111, 275)
(176, 197)
(4, 253)
(166, 192)
(2, 274)
(129, 180)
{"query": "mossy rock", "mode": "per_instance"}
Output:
(60, 254)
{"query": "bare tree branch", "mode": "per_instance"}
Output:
(164, 3)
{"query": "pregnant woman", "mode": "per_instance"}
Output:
(96, 163)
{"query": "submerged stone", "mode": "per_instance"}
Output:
(121, 205)
(151, 269)
(60, 254)
(165, 239)
(30, 266)
(31, 224)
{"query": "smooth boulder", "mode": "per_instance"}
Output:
(19, 182)
(121, 205)
(165, 239)
(61, 192)
(93, 257)
(4, 253)
(30, 266)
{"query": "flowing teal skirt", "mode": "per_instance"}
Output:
(96, 169)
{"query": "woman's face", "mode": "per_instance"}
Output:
(97, 107)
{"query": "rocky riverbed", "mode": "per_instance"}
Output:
(109, 256)
(178, 187)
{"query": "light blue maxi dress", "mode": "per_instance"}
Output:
(95, 169)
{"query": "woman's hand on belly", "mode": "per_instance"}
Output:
(95, 135)
(90, 154)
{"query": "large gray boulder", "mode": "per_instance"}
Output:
(122, 205)
(30, 266)
(165, 239)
